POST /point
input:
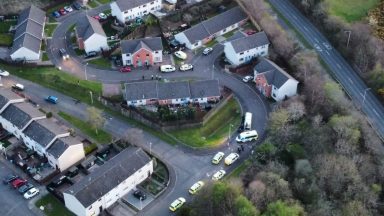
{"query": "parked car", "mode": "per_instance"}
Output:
(25, 188)
(62, 11)
(91, 54)
(186, 67)
(96, 17)
(103, 16)
(10, 178)
(4, 73)
(231, 158)
(125, 69)
(247, 79)
(63, 54)
(31, 193)
(218, 175)
(250, 32)
(217, 158)
(196, 187)
(18, 183)
(51, 99)
(56, 14)
(167, 68)
(177, 204)
(76, 5)
(68, 8)
(139, 195)
(18, 86)
(207, 50)
(181, 55)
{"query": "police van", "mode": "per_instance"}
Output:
(247, 136)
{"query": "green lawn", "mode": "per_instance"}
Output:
(215, 131)
(6, 39)
(104, 1)
(45, 57)
(102, 137)
(4, 26)
(55, 79)
(79, 52)
(49, 28)
(236, 172)
(92, 4)
(52, 206)
(211, 43)
(351, 10)
(101, 62)
(229, 34)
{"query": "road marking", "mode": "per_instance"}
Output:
(327, 52)
(317, 40)
(375, 111)
(350, 80)
(305, 28)
(338, 66)
(294, 17)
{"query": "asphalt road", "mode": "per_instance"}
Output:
(361, 95)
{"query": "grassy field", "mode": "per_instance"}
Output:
(4, 26)
(52, 206)
(215, 131)
(351, 10)
(49, 28)
(101, 62)
(55, 79)
(6, 39)
(102, 137)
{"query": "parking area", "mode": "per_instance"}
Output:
(135, 202)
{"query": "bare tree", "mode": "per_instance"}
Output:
(95, 118)
(133, 136)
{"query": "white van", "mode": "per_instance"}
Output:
(167, 68)
(247, 136)
(18, 86)
(247, 121)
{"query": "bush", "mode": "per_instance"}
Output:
(49, 115)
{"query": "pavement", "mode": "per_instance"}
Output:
(357, 90)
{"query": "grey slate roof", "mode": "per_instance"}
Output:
(108, 176)
(206, 88)
(43, 131)
(250, 42)
(272, 72)
(27, 41)
(173, 90)
(7, 95)
(140, 90)
(131, 46)
(87, 26)
(31, 28)
(20, 114)
(33, 13)
(215, 24)
(60, 145)
(128, 4)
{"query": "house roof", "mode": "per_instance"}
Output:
(128, 4)
(32, 13)
(43, 131)
(60, 145)
(20, 114)
(215, 24)
(173, 90)
(109, 175)
(132, 46)
(32, 28)
(28, 41)
(7, 95)
(250, 42)
(140, 90)
(205, 88)
(87, 26)
(272, 72)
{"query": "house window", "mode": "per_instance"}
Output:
(156, 52)
(145, 5)
(196, 44)
(242, 59)
(241, 53)
(128, 62)
(152, 3)
(152, 8)
(90, 208)
(144, 12)
(273, 95)
(147, 54)
(125, 12)
(157, 59)
(225, 30)
(128, 54)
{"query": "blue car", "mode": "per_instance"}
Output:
(52, 99)
(56, 14)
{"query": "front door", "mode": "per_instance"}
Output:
(139, 63)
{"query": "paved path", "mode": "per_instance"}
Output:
(342, 71)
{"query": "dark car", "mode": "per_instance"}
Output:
(25, 188)
(56, 14)
(139, 195)
(76, 5)
(9, 178)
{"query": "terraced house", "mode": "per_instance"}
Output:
(125, 10)
(142, 52)
(28, 35)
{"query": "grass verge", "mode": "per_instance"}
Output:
(350, 10)
(49, 28)
(236, 172)
(104, 1)
(211, 43)
(52, 206)
(45, 57)
(101, 62)
(6, 39)
(215, 131)
(101, 137)
(93, 4)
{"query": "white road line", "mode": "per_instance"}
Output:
(375, 111)
(317, 40)
(294, 17)
(327, 52)
(338, 66)
(305, 28)
(350, 80)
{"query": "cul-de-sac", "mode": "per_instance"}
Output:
(191, 107)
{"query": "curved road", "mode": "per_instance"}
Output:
(186, 166)
(342, 71)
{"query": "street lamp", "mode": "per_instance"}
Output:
(141, 203)
(229, 133)
(150, 148)
(349, 36)
(85, 71)
(365, 92)
(213, 70)
(90, 93)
